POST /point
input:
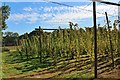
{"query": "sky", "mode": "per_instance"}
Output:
(57, 0)
(26, 16)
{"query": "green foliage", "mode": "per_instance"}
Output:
(9, 38)
(0, 19)
(4, 14)
(65, 47)
(67, 43)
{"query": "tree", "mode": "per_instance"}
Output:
(4, 15)
(11, 34)
(0, 17)
(9, 38)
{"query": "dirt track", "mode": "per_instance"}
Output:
(111, 74)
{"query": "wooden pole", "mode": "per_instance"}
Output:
(95, 40)
(119, 40)
(111, 48)
(40, 45)
(119, 30)
(48, 29)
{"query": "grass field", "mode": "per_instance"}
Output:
(14, 67)
(9, 47)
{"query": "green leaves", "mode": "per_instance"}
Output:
(67, 43)
(4, 15)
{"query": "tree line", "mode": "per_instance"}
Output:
(9, 38)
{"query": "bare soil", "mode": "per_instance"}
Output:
(113, 74)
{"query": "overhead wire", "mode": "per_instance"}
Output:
(109, 9)
(103, 21)
(84, 8)
(69, 6)
(77, 7)
(88, 5)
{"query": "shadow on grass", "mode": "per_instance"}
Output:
(63, 68)
(23, 64)
(48, 79)
(30, 67)
(33, 64)
(59, 79)
(117, 61)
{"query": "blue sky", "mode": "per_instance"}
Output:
(26, 16)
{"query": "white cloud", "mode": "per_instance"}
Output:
(30, 17)
(78, 13)
(27, 9)
(47, 9)
(16, 23)
(63, 14)
(16, 17)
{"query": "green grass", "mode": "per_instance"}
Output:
(76, 75)
(13, 66)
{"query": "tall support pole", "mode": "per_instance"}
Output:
(95, 40)
(119, 30)
(119, 40)
(111, 48)
(40, 45)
